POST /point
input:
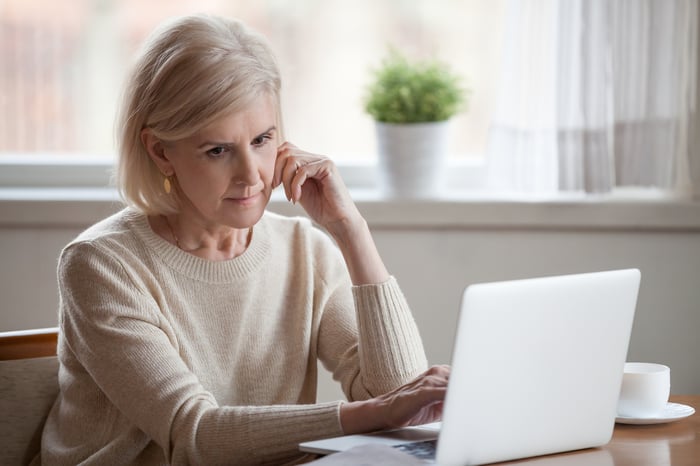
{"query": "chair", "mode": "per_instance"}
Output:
(28, 389)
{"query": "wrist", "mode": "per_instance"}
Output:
(347, 230)
(358, 417)
(355, 242)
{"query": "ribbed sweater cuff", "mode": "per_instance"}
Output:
(311, 421)
(385, 318)
(269, 434)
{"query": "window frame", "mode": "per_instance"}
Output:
(70, 171)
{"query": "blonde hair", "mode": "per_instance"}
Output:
(191, 72)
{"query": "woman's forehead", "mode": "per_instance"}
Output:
(254, 119)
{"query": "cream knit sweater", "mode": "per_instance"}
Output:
(167, 358)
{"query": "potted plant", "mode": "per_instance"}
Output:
(412, 104)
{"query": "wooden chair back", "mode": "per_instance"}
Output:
(28, 389)
(25, 344)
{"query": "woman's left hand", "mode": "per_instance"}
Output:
(314, 182)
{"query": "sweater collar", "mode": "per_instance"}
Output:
(197, 267)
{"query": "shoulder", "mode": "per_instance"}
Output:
(115, 225)
(284, 224)
(111, 237)
(307, 246)
(297, 231)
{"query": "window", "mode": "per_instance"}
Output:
(64, 62)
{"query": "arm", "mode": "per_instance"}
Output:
(381, 364)
(369, 340)
(377, 363)
(359, 251)
(314, 181)
(129, 360)
(388, 350)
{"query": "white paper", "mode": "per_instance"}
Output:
(369, 455)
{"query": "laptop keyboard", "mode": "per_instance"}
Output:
(424, 450)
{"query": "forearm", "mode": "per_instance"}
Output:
(391, 347)
(362, 258)
(250, 434)
(358, 417)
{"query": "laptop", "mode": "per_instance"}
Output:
(537, 367)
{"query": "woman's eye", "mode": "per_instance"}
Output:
(216, 151)
(261, 140)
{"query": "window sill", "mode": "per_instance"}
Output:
(79, 207)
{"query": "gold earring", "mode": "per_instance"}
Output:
(166, 185)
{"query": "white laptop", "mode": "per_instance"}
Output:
(536, 369)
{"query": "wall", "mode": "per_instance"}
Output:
(435, 266)
(435, 249)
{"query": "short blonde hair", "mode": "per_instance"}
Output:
(191, 72)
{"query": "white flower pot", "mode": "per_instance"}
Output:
(412, 158)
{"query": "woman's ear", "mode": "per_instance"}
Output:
(156, 151)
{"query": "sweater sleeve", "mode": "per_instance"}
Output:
(377, 347)
(110, 324)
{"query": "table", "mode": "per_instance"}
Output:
(672, 444)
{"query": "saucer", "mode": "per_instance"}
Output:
(672, 412)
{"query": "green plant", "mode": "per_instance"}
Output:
(413, 92)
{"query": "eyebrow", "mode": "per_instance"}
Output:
(231, 144)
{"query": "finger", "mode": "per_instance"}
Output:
(289, 160)
(298, 180)
(441, 370)
(436, 375)
(294, 174)
(286, 168)
(308, 169)
(288, 173)
(293, 167)
(283, 153)
(413, 405)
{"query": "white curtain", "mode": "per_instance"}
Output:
(597, 94)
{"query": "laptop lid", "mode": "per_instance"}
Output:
(536, 368)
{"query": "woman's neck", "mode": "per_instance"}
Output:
(215, 243)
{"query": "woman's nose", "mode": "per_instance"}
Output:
(246, 169)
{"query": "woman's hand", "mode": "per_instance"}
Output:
(418, 402)
(314, 182)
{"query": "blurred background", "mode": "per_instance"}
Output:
(63, 64)
(570, 101)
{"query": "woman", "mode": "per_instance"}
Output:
(192, 321)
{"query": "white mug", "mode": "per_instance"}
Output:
(645, 390)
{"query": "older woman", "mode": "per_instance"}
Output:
(192, 321)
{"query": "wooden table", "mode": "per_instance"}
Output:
(672, 444)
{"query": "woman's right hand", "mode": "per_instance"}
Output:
(419, 401)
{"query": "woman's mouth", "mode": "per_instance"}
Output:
(244, 200)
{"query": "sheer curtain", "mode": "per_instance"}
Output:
(597, 94)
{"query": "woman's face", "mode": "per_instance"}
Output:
(225, 171)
